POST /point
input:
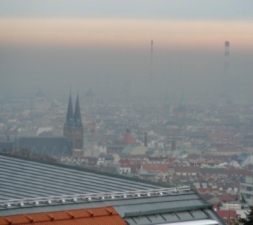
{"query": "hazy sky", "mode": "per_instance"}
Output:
(129, 9)
(105, 45)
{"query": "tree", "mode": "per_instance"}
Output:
(249, 217)
(243, 199)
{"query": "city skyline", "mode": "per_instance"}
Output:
(99, 45)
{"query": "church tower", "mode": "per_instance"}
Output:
(73, 127)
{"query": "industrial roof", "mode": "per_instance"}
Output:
(29, 179)
(32, 187)
(134, 149)
(129, 148)
(95, 216)
(54, 146)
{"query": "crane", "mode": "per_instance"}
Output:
(92, 128)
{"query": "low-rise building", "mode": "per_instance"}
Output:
(246, 189)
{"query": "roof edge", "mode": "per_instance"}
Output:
(177, 209)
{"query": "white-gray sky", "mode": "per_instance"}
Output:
(105, 45)
(130, 9)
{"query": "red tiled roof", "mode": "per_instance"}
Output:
(171, 160)
(155, 167)
(229, 149)
(207, 190)
(232, 171)
(220, 135)
(227, 198)
(227, 215)
(217, 157)
(128, 139)
(125, 163)
(94, 216)
(187, 169)
(193, 156)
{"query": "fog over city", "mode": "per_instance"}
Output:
(106, 47)
(127, 112)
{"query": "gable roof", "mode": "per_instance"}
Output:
(125, 163)
(227, 198)
(227, 215)
(187, 169)
(53, 146)
(241, 172)
(94, 216)
(155, 167)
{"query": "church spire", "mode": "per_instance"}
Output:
(70, 116)
(77, 117)
(182, 100)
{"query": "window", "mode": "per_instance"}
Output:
(248, 196)
(249, 188)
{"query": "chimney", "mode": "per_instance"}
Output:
(173, 145)
(146, 139)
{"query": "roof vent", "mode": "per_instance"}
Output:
(176, 190)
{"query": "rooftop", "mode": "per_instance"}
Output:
(29, 186)
(95, 216)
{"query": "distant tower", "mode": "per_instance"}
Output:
(180, 112)
(173, 145)
(225, 79)
(151, 57)
(146, 139)
(151, 53)
(226, 59)
(73, 127)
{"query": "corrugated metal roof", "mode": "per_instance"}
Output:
(94, 216)
(22, 179)
(27, 179)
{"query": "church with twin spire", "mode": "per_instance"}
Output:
(70, 144)
(73, 127)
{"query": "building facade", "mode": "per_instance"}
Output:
(246, 190)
